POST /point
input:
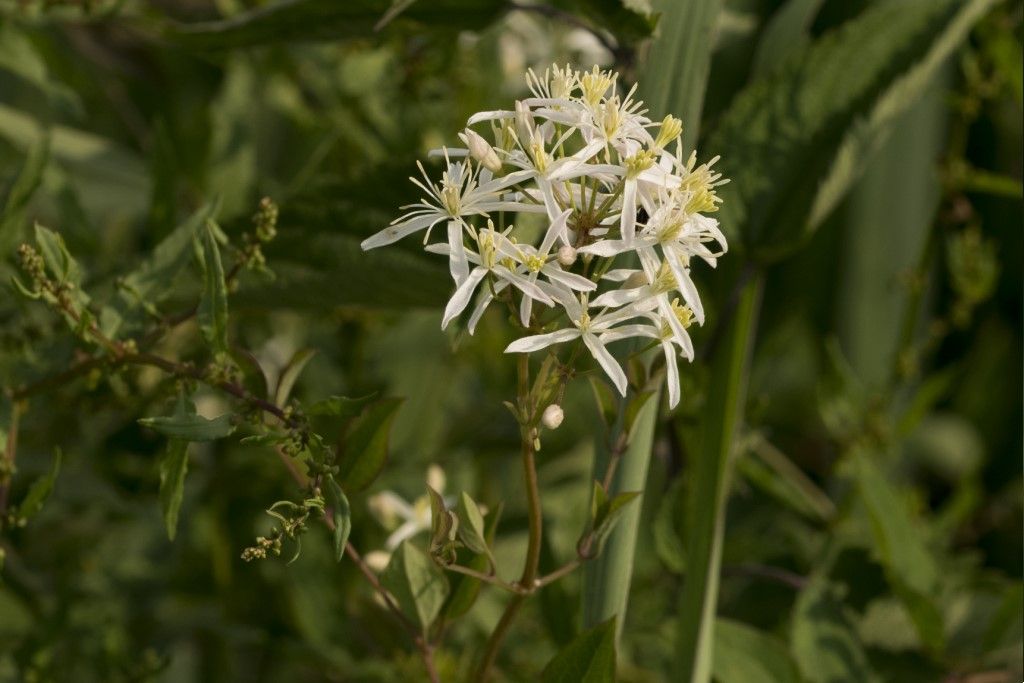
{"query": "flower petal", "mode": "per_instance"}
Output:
(607, 362)
(542, 341)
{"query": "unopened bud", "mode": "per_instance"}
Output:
(566, 255)
(553, 416)
(481, 150)
(524, 121)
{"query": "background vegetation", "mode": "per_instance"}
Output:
(847, 456)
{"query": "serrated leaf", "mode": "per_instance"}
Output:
(340, 406)
(213, 306)
(341, 515)
(290, 375)
(366, 445)
(312, 20)
(909, 566)
(824, 643)
(173, 468)
(743, 654)
(821, 115)
(185, 424)
(589, 658)
(40, 489)
(417, 584)
(472, 531)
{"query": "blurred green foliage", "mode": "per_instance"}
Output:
(871, 524)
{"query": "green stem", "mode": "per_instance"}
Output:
(528, 580)
(705, 509)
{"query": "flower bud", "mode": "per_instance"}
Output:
(553, 416)
(481, 150)
(566, 255)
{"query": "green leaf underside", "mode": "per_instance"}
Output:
(213, 306)
(341, 515)
(185, 424)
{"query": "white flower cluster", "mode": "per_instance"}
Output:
(620, 209)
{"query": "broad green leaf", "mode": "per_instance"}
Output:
(909, 565)
(366, 446)
(472, 531)
(173, 468)
(312, 20)
(589, 658)
(213, 306)
(679, 60)
(186, 425)
(340, 406)
(290, 374)
(417, 584)
(824, 643)
(341, 515)
(153, 281)
(744, 654)
(706, 505)
(821, 116)
(28, 180)
(785, 34)
(40, 489)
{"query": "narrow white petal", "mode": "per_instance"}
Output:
(686, 286)
(627, 221)
(607, 362)
(458, 263)
(671, 373)
(397, 231)
(570, 280)
(606, 248)
(489, 116)
(617, 297)
(542, 341)
(463, 293)
(531, 289)
(555, 230)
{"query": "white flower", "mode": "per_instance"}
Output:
(589, 330)
(392, 510)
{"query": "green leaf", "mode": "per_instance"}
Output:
(173, 468)
(824, 643)
(679, 61)
(794, 143)
(472, 531)
(911, 569)
(589, 658)
(19, 56)
(785, 34)
(417, 584)
(111, 180)
(366, 446)
(340, 406)
(443, 529)
(213, 306)
(28, 180)
(342, 516)
(465, 589)
(153, 281)
(312, 20)
(706, 504)
(40, 490)
(290, 375)
(744, 654)
(56, 256)
(604, 513)
(185, 424)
